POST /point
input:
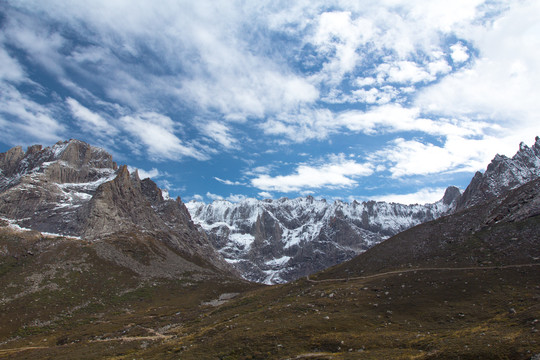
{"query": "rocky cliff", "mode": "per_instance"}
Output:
(76, 189)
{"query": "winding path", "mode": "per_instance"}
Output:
(393, 272)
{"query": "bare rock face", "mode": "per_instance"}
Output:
(10, 160)
(76, 189)
(118, 205)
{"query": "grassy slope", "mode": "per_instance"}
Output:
(59, 299)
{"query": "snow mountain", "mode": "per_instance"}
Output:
(276, 241)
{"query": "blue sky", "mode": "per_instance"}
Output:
(387, 100)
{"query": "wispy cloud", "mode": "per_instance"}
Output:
(220, 133)
(229, 182)
(23, 120)
(91, 121)
(157, 133)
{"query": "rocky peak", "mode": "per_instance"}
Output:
(118, 205)
(73, 188)
(503, 174)
(78, 153)
(451, 194)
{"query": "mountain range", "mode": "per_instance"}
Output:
(76, 189)
(276, 241)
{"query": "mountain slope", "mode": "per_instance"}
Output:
(68, 298)
(501, 232)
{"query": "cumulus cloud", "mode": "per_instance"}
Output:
(403, 72)
(338, 172)
(459, 53)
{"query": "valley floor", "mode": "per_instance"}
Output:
(470, 313)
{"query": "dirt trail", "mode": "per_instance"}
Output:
(393, 272)
(4, 352)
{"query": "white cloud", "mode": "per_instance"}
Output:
(23, 120)
(231, 198)
(501, 85)
(265, 195)
(459, 53)
(403, 72)
(229, 182)
(338, 172)
(423, 196)
(91, 121)
(213, 197)
(10, 70)
(412, 157)
(43, 47)
(197, 197)
(144, 174)
(157, 133)
(236, 198)
(338, 36)
(220, 133)
(302, 125)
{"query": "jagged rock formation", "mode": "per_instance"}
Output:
(279, 241)
(76, 189)
(503, 174)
